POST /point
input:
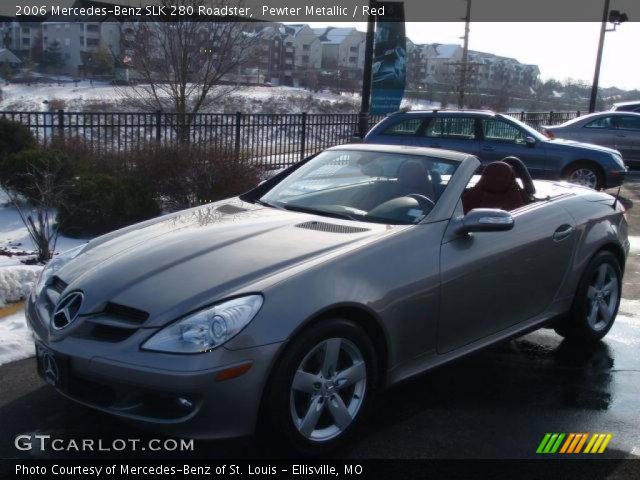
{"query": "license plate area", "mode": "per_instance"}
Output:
(52, 367)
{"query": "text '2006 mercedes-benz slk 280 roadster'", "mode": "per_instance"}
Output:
(288, 307)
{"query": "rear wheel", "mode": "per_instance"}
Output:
(597, 299)
(322, 387)
(586, 174)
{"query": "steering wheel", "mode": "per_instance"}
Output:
(426, 203)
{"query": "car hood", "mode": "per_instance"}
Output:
(177, 263)
(562, 142)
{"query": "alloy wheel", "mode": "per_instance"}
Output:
(602, 297)
(328, 389)
(585, 177)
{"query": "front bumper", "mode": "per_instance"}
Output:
(173, 394)
(615, 178)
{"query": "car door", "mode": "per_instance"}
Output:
(451, 132)
(601, 131)
(627, 137)
(491, 281)
(501, 138)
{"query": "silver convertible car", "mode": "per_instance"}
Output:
(284, 310)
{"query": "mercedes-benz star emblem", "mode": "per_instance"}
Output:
(50, 369)
(67, 310)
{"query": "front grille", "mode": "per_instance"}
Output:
(115, 323)
(331, 227)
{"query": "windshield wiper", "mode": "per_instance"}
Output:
(326, 213)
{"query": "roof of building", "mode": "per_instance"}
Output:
(7, 56)
(333, 35)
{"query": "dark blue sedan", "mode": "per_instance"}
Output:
(491, 136)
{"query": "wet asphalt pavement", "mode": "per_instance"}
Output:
(494, 404)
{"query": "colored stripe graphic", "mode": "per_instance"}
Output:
(573, 443)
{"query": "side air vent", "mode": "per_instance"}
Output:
(128, 314)
(58, 285)
(230, 209)
(331, 227)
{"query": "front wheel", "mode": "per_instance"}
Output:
(321, 387)
(585, 174)
(597, 299)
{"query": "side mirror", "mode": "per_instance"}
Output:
(529, 141)
(485, 220)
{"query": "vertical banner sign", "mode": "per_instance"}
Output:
(389, 59)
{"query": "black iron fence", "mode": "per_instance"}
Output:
(272, 140)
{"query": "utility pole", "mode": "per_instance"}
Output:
(596, 74)
(465, 57)
(365, 100)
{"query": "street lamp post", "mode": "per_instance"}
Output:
(616, 18)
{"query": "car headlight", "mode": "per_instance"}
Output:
(206, 329)
(55, 264)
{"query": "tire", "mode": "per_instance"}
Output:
(596, 302)
(289, 409)
(585, 173)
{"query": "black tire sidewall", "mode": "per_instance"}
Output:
(277, 411)
(577, 325)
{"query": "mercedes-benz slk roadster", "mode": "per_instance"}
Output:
(288, 307)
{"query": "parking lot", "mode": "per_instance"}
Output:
(498, 403)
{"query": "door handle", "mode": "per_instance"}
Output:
(562, 232)
(488, 149)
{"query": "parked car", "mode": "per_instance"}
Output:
(617, 130)
(626, 106)
(288, 307)
(491, 136)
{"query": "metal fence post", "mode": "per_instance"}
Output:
(303, 135)
(237, 146)
(551, 117)
(578, 113)
(158, 125)
(61, 122)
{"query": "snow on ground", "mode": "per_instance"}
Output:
(76, 96)
(15, 277)
(15, 339)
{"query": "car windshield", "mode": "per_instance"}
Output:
(366, 186)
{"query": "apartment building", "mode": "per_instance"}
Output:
(441, 64)
(79, 42)
(20, 37)
(307, 54)
(342, 49)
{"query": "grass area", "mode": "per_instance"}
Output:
(11, 309)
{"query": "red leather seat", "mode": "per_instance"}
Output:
(497, 188)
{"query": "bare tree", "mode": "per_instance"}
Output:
(176, 65)
(38, 212)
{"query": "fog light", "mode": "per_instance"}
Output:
(185, 402)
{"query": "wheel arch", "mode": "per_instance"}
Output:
(358, 313)
(617, 250)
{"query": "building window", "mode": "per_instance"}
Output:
(306, 48)
(353, 59)
(305, 59)
(26, 41)
(93, 28)
(67, 42)
(93, 42)
(353, 49)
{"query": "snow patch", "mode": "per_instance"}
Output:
(16, 342)
(17, 281)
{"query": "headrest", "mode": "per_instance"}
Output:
(498, 177)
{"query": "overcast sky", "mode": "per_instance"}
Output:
(561, 50)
